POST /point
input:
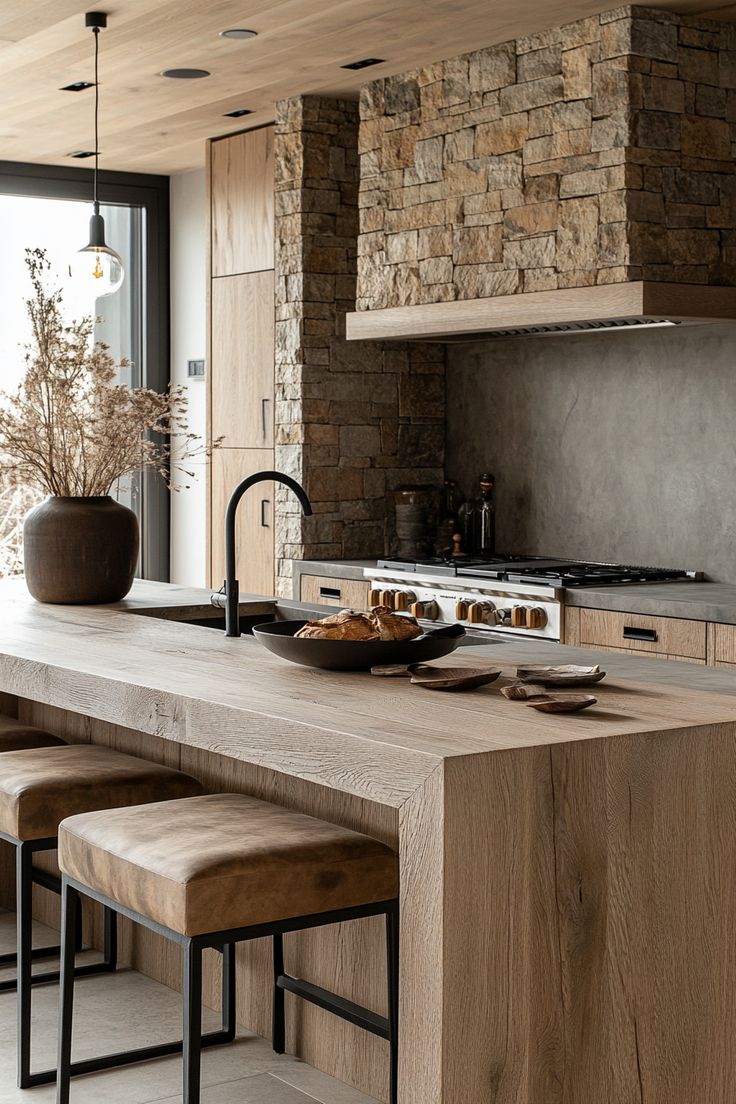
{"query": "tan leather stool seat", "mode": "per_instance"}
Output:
(39, 788)
(224, 861)
(17, 736)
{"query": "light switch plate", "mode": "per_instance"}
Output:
(195, 369)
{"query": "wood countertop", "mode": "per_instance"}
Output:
(379, 739)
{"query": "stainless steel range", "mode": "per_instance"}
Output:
(505, 594)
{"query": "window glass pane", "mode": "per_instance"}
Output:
(61, 227)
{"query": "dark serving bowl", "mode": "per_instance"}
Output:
(355, 655)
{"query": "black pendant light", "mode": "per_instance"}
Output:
(97, 265)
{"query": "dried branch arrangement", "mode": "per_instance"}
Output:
(70, 429)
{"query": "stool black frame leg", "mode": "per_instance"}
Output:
(69, 920)
(25, 980)
(24, 922)
(392, 956)
(229, 1010)
(278, 1034)
(192, 1036)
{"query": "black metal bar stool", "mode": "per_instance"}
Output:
(38, 788)
(214, 871)
(15, 735)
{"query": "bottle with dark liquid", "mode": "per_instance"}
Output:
(486, 517)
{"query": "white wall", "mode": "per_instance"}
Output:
(188, 342)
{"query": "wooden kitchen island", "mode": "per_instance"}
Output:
(568, 883)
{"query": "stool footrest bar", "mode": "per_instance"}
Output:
(345, 1009)
(11, 958)
(50, 977)
(125, 1058)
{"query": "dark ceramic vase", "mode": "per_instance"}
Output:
(80, 551)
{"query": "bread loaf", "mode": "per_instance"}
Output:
(380, 624)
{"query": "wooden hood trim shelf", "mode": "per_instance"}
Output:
(526, 314)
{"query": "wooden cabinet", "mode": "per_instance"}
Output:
(326, 591)
(242, 194)
(254, 537)
(241, 349)
(242, 359)
(633, 632)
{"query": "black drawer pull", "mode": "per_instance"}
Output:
(329, 592)
(631, 633)
(265, 503)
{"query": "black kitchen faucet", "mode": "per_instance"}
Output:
(228, 598)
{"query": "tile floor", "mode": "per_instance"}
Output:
(127, 1010)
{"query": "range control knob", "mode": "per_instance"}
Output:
(374, 598)
(519, 617)
(428, 610)
(461, 611)
(403, 599)
(387, 598)
(479, 612)
(536, 617)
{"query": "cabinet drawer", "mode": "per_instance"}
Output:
(324, 591)
(665, 636)
(724, 643)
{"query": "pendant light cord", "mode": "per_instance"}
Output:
(96, 32)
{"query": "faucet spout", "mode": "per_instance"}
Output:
(229, 596)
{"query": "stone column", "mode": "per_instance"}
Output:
(353, 420)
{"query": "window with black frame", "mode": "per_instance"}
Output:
(48, 207)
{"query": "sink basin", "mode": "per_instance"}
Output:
(209, 617)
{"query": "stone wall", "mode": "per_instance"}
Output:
(353, 421)
(597, 152)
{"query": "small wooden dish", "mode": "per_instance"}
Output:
(567, 674)
(452, 678)
(391, 670)
(522, 691)
(562, 703)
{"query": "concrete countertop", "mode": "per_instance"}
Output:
(690, 600)
(337, 569)
(694, 601)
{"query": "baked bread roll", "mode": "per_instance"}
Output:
(380, 624)
(394, 626)
(346, 625)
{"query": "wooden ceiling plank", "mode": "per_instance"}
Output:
(299, 49)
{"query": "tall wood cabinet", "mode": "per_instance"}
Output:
(241, 349)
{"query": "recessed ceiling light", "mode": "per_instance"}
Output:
(185, 74)
(77, 86)
(238, 32)
(83, 153)
(364, 63)
(238, 113)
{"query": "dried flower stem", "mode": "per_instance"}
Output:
(70, 429)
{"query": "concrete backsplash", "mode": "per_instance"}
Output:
(611, 447)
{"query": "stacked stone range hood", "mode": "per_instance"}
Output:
(578, 178)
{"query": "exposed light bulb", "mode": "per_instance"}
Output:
(97, 267)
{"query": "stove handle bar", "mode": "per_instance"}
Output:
(630, 633)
